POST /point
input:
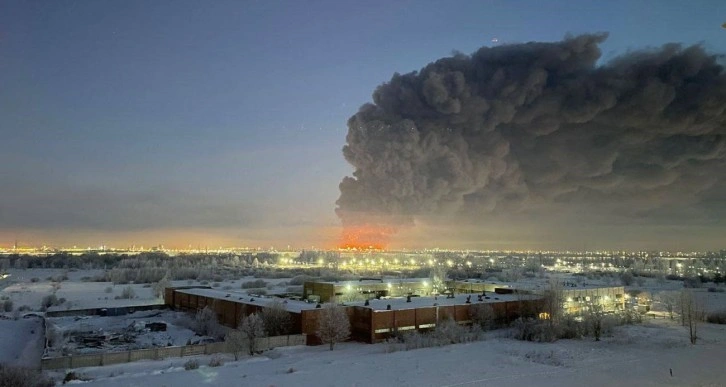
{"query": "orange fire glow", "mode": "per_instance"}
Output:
(365, 238)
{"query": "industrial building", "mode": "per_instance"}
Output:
(377, 319)
(363, 289)
(231, 306)
(574, 297)
(379, 308)
(371, 321)
(368, 288)
(611, 299)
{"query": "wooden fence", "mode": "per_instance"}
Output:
(108, 358)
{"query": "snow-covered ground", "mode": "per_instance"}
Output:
(633, 356)
(21, 342)
(130, 329)
(28, 287)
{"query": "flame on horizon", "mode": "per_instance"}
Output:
(365, 237)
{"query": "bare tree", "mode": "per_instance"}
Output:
(693, 313)
(669, 300)
(276, 319)
(252, 327)
(552, 301)
(333, 324)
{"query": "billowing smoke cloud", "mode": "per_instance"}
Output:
(541, 128)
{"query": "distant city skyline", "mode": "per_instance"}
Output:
(290, 249)
(222, 124)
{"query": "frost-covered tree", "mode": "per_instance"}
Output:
(669, 300)
(333, 324)
(692, 313)
(276, 319)
(206, 322)
(437, 276)
(236, 342)
(594, 316)
(160, 286)
(448, 331)
(552, 301)
(482, 315)
(128, 293)
(252, 327)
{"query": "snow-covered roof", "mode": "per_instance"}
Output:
(399, 303)
(370, 281)
(244, 298)
(534, 284)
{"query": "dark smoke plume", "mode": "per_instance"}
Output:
(541, 128)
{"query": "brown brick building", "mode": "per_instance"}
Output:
(369, 323)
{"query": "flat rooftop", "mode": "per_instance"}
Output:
(399, 303)
(534, 284)
(392, 281)
(498, 284)
(294, 306)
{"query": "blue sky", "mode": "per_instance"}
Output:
(222, 123)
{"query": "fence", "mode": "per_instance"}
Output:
(101, 359)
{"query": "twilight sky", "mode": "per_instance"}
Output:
(222, 123)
